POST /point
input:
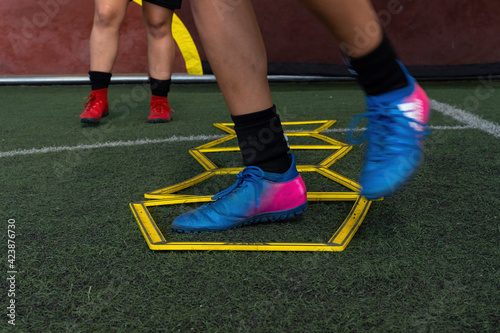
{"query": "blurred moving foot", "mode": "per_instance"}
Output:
(396, 126)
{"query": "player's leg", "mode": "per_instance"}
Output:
(398, 108)
(157, 17)
(269, 188)
(233, 44)
(108, 17)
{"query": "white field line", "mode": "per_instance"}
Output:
(174, 138)
(467, 118)
(109, 144)
(343, 130)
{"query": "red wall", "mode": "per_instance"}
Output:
(51, 36)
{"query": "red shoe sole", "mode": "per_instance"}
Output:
(89, 120)
(159, 120)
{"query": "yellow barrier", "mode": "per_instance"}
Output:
(166, 196)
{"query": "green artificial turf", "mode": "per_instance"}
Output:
(425, 260)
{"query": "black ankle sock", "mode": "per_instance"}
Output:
(159, 87)
(378, 72)
(99, 80)
(262, 141)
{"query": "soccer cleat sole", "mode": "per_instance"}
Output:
(261, 218)
(394, 189)
(159, 120)
(89, 120)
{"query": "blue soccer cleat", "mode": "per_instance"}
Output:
(396, 126)
(257, 196)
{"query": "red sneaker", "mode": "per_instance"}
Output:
(159, 110)
(96, 107)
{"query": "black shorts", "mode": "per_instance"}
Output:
(170, 4)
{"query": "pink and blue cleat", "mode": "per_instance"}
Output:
(257, 196)
(396, 127)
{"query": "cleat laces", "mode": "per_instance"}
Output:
(91, 98)
(249, 174)
(384, 132)
(160, 107)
